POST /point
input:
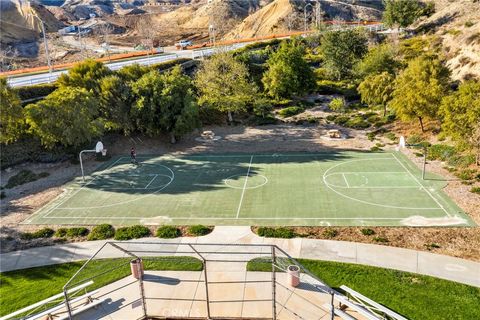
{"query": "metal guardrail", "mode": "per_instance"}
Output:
(51, 77)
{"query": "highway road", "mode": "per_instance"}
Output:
(47, 77)
(190, 54)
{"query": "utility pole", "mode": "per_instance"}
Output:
(49, 63)
(318, 12)
(305, 16)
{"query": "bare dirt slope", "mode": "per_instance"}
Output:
(289, 15)
(457, 24)
(17, 21)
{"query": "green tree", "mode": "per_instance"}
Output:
(419, 89)
(67, 116)
(377, 90)
(222, 83)
(86, 74)
(461, 115)
(11, 114)
(288, 72)
(132, 72)
(165, 103)
(116, 100)
(401, 13)
(342, 50)
(380, 58)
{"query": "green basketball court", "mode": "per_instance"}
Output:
(335, 188)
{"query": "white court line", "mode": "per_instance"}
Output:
(422, 187)
(229, 218)
(244, 186)
(151, 181)
(329, 186)
(360, 172)
(345, 178)
(86, 184)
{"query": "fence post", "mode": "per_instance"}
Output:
(142, 289)
(206, 279)
(332, 306)
(274, 306)
(67, 304)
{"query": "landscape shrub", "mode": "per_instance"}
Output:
(391, 136)
(102, 232)
(375, 149)
(3, 195)
(281, 232)
(29, 149)
(42, 233)
(371, 136)
(380, 239)
(431, 246)
(337, 105)
(374, 119)
(331, 117)
(36, 91)
(290, 111)
(77, 232)
(61, 232)
(475, 190)
(199, 230)
(24, 176)
(330, 233)
(440, 152)
(71, 232)
(132, 232)
(414, 139)
(168, 64)
(357, 122)
(168, 232)
(341, 120)
(463, 161)
(367, 231)
(348, 90)
(466, 174)
(312, 120)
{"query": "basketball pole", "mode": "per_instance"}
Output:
(424, 161)
(81, 163)
(98, 148)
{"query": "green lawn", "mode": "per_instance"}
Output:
(21, 288)
(412, 295)
(334, 188)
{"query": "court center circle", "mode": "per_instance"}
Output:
(238, 181)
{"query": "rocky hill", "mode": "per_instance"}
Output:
(19, 27)
(457, 25)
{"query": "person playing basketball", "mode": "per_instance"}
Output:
(133, 155)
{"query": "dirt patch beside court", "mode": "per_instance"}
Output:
(457, 242)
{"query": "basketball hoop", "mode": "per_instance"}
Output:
(98, 149)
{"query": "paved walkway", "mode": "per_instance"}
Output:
(445, 267)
